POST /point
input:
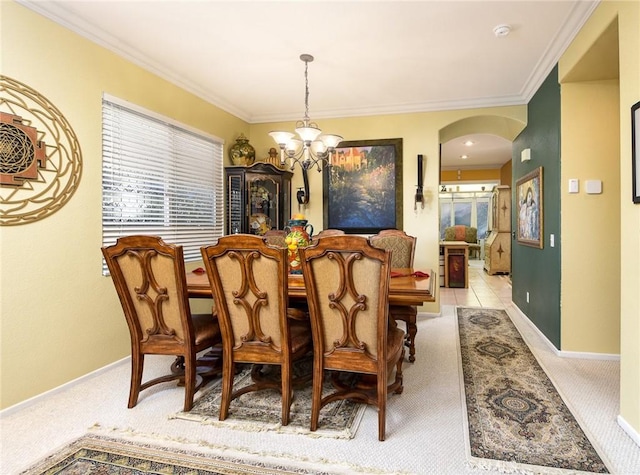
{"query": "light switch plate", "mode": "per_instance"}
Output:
(574, 186)
(593, 187)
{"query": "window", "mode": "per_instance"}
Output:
(159, 178)
(468, 208)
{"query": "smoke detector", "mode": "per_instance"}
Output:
(502, 30)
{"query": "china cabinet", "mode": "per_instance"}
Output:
(497, 247)
(258, 198)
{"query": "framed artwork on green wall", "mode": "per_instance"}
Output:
(530, 212)
(635, 150)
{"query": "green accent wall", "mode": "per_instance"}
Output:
(534, 270)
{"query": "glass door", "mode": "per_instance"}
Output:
(263, 204)
(469, 209)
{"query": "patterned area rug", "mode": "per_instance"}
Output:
(261, 410)
(95, 454)
(516, 419)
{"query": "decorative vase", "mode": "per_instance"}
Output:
(297, 237)
(242, 153)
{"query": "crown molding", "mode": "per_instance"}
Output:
(58, 14)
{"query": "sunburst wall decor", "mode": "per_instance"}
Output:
(40, 157)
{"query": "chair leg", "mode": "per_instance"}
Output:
(228, 374)
(400, 387)
(316, 397)
(285, 377)
(137, 364)
(382, 407)
(189, 381)
(412, 330)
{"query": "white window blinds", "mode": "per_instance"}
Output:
(159, 178)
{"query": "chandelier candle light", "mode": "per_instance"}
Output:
(313, 147)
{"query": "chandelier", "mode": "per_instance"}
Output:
(312, 147)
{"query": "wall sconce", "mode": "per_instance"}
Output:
(525, 155)
(419, 195)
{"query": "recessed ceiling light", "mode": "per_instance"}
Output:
(502, 30)
(469, 143)
(464, 157)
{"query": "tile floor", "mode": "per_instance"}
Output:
(484, 290)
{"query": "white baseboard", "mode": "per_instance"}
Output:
(28, 402)
(561, 353)
(630, 431)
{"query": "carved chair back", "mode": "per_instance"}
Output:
(403, 249)
(400, 243)
(329, 232)
(150, 279)
(276, 237)
(249, 285)
(347, 281)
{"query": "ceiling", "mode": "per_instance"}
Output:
(371, 57)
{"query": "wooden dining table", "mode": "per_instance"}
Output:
(405, 288)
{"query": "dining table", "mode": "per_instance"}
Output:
(406, 286)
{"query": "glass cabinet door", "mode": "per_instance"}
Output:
(263, 204)
(257, 198)
(234, 205)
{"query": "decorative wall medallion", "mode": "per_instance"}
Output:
(40, 158)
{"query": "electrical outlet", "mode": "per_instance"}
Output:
(527, 297)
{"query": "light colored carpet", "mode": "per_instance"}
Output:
(425, 433)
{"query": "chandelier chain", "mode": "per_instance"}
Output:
(306, 91)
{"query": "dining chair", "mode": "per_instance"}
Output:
(329, 232)
(249, 281)
(403, 249)
(276, 237)
(347, 281)
(150, 279)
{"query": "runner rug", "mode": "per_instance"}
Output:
(96, 454)
(516, 419)
(261, 410)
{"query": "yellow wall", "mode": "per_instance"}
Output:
(590, 150)
(61, 318)
(451, 176)
(628, 16)
(505, 173)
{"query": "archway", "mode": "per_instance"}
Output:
(467, 184)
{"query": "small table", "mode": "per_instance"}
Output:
(456, 263)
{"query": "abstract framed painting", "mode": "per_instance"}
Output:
(362, 189)
(530, 210)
